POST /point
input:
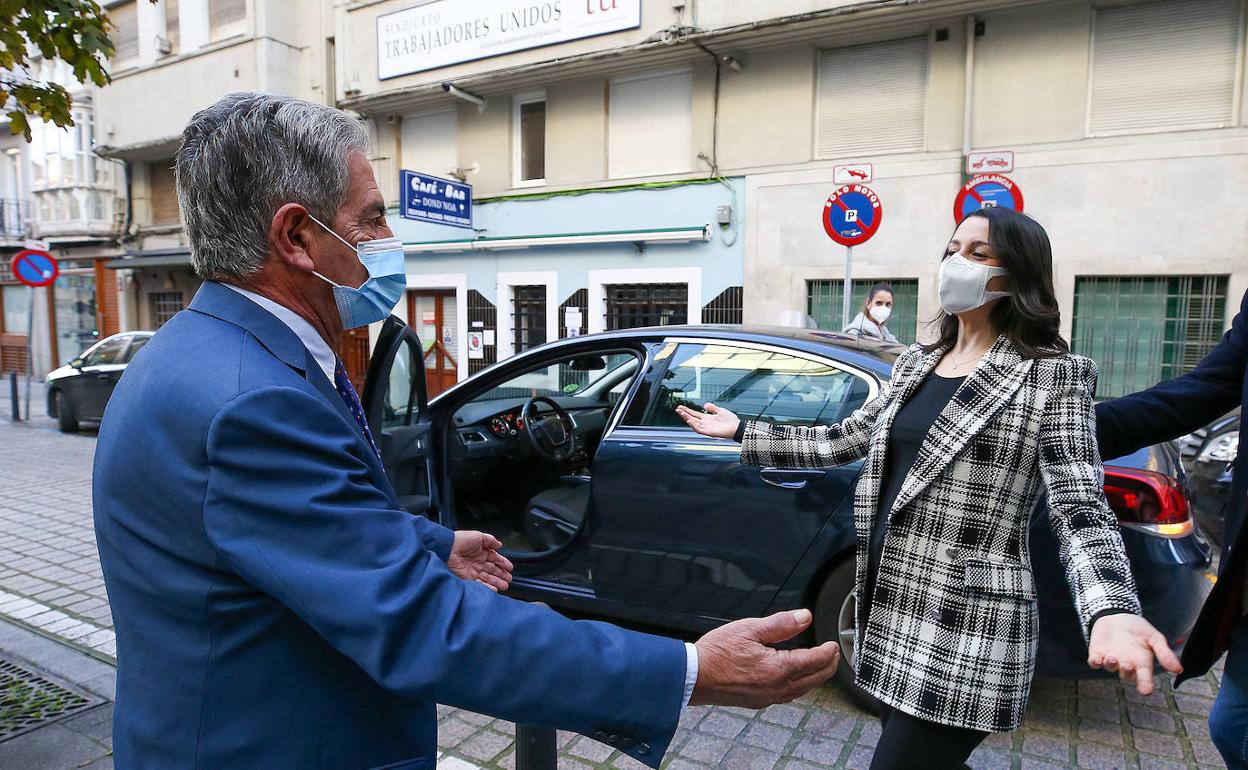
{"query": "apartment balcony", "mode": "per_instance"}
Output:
(14, 221)
(77, 214)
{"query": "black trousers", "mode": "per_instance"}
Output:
(911, 743)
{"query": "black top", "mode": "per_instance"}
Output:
(910, 428)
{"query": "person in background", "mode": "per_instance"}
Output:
(959, 446)
(872, 319)
(1166, 411)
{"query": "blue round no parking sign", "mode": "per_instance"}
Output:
(852, 214)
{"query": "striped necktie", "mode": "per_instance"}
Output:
(346, 390)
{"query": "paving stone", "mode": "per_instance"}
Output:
(822, 750)
(831, 725)
(484, 746)
(705, 748)
(452, 731)
(767, 736)
(1150, 718)
(784, 714)
(1047, 747)
(749, 758)
(1161, 744)
(1099, 708)
(1100, 732)
(722, 724)
(590, 749)
(1157, 763)
(1196, 705)
(860, 758)
(1098, 757)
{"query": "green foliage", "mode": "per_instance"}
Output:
(74, 31)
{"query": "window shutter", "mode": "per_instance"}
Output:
(223, 13)
(1167, 64)
(872, 98)
(651, 124)
(125, 36)
(430, 145)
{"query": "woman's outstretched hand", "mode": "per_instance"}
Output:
(1127, 644)
(714, 422)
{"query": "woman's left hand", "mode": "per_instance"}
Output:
(1127, 644)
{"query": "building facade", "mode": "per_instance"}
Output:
(569, 118)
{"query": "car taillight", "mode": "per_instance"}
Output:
(1147, 500)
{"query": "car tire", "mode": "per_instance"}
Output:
(65, 419)
(834, 622)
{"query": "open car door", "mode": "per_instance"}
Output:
(396, 406)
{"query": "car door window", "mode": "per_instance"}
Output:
(109, 352)
(756, 384)
(399, 405)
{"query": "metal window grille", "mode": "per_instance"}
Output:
(824, 298)
(633, 305)
(482, 315)
(727, 308)
(165, 305)
(1144, 329)
(528, 316)
(579, 300)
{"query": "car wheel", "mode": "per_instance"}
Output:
(65, 419)
(834, 622)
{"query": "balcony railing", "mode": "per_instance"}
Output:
(14, 217)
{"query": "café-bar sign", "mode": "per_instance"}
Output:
(447, 32)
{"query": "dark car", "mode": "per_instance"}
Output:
(610, 506)
(1209, 454)
(79, 390)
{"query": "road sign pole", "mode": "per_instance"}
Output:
(848, 290)
(30, 347)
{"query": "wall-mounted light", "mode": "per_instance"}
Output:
(730, 63)
(460, 93)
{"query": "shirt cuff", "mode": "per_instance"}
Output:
(691, 674)
(739, 436)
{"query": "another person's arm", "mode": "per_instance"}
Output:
(796, 446)
(291, 509)
(1089, 543)
(1177, 407)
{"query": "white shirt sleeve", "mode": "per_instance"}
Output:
(691, 674)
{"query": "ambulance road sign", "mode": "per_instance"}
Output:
(34, 268)
(852, 215)
(984, 192)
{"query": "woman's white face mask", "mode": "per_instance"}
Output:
(880, 313)
(964, 284)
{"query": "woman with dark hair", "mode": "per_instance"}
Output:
(959, 446)
(869, 322)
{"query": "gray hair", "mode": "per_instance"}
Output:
(245, 157)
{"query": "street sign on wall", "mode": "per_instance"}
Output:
(997, 162)
(852, 214)
(850, 173)
(986, 191)
(34, 268)
(433, 199)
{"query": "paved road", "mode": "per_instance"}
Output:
(50, 581)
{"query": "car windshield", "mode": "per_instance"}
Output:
(580, 377)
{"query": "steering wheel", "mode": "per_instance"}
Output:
(551, 434)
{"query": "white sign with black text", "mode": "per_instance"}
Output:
(447, 32)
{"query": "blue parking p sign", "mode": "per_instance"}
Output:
(433, 199)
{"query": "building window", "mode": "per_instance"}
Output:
(164, 193)
(226, 18)
(172, 31)
(824, 305)
(14, 306)
(529, 139)
(1138, 84)
(1142, 330)
(528, 317)
(727, 308)
(634, 305)
(125, 33)
(651, 124)
(165, 305)
(430, 144)
(75, 314)
(482, 317)
(872, 98)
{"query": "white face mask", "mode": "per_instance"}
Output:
(880, 313)
(964, 284)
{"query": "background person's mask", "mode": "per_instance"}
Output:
(964, 284)
(880, 313)
(381, 291)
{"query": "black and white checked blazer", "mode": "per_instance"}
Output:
(953, 627)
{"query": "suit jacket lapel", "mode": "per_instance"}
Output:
(984, 393)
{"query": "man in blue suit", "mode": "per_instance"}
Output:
(1167, 411)
(275, 606)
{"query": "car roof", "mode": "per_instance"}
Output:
(869, 354)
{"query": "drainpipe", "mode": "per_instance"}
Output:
(968, 99)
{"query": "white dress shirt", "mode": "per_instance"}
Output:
(327, 360)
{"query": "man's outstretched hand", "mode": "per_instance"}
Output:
(737, 668)
(475, 556)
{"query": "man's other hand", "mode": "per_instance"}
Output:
(737, 668)
(475, 556)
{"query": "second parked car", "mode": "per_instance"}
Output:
(79, 390)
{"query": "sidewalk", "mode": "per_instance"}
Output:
(38, 401)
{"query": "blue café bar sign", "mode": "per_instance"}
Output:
(433, 199)
(447, 32)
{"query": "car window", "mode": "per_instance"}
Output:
(109, 352)
(399, 407)
(136, 344)
(756, 384)
(573, 376)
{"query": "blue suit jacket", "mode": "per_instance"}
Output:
(1172, 409)
(276, 607)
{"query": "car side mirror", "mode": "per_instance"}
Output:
(77, 363)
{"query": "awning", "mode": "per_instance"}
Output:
(498, 243)
(151, 258)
